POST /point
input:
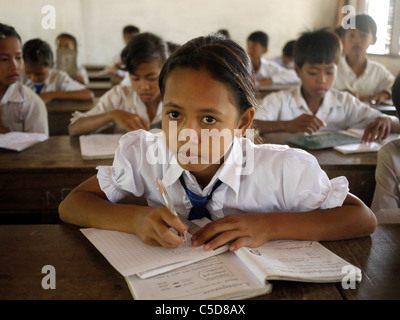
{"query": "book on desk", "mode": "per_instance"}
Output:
(191, 273)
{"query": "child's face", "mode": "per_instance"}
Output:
(11, 61)
(65, 43)
(255, 51)
(357, 41)
(195, 103)
(144, 81)
(37, 72)
(316, 79)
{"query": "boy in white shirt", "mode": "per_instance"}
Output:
(370, 81)
(46, 81)
(20, 108)
(386, 200)
(132, 106)
(314, 105)
(266, 72)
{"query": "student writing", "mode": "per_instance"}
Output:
(266, 72)
(366, 79)
(314, 105)
(46, 81)
(132, 106)
(386, 200)
(20, 108)
(277, 193)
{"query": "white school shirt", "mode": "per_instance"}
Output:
(23, 110)
(375, 79)
(275, 178)
(386, 200)
(57, 80)
(340, 110)
(121, 97)
(278, 74)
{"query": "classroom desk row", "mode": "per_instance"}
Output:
(38, 178)
(81, 272)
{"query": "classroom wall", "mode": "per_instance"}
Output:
(97, 24)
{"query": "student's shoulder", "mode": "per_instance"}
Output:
(390, 150)
(142, 138)
(282, 95)
(28, 94)
(375, 65)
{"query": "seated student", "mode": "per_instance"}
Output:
(266, 72)
(280, 193)
(133, 106)
(286, 59)
(386, 200)
(313, 105)
(20, 108)
(68, 41)
(370, 81)
(46, 81)
(116, 66)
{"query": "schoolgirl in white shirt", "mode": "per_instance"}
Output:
(132, 106)
(272, 192)
(314, 105)
(47, 82)
(20, 108)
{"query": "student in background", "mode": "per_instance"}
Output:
(46, 81)
(116, 65)
(20, 108)
(68, 41)
(280, 193)
(132, 106)
(386, 200)
(313, 105)
(266, 72)
(286, 59)
(368, 80)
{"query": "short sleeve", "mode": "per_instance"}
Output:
(307, 187)
(124, 176)
(269, 108)
(35, 113)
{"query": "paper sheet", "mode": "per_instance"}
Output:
(19, 141)
(99, 146)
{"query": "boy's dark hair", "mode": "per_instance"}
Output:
(144, 47)
(130, 29)
(38, 51)
(223, 58)
(259, 37)
(288, 49)
(70, 37)
(396, 94)
(8, 31)
(365, 23)
(315, 47)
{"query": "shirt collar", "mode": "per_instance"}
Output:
(329, 101)
(229, 172)
(12, 94)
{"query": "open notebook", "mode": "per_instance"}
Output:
(18, 141)
(190, 272)
(99, 146)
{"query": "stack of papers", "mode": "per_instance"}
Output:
(18, 141)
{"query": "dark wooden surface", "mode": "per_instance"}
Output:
(83, 273)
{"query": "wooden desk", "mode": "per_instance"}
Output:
(358, 168)
(38, 178)
(83, 273)
(96, 76)
(60, 112)
(99, 87)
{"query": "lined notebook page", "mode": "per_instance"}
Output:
(129, 255)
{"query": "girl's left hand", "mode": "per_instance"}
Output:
(250, 230)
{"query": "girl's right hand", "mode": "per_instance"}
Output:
(305, 123)
(154, 227)
(129, 121)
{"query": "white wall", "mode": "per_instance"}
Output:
(97, 24)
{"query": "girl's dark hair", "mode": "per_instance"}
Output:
(144, 47)
(224, 59)
(70, 37)
(8, 31)
(38, 51)
(314, 47)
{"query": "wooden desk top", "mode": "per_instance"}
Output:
(69, 106)
(83, 273)
(58, 154)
